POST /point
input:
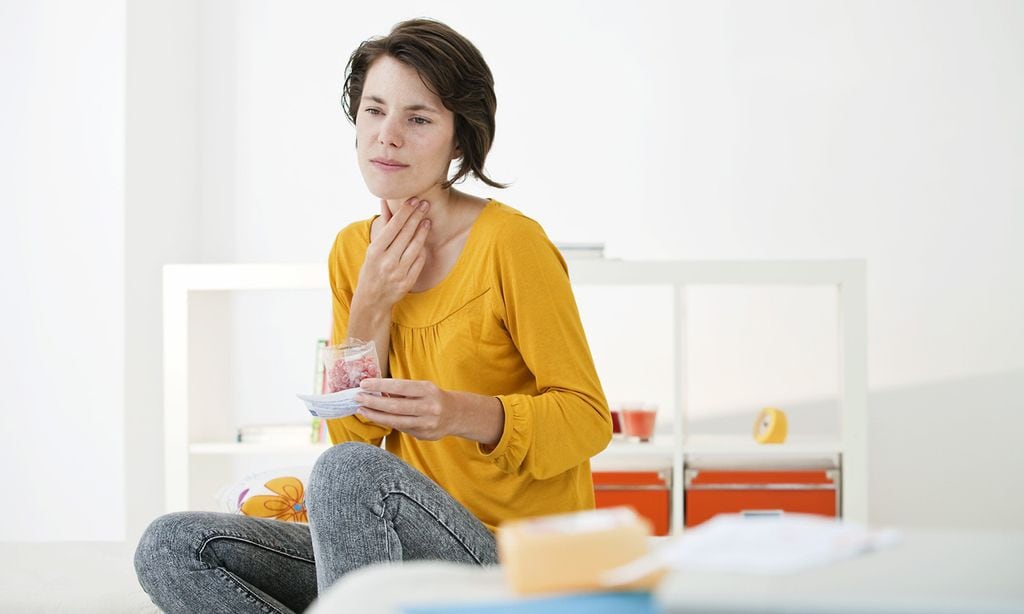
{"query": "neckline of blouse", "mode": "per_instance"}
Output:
(459, 262)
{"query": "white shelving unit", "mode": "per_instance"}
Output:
(848, 276)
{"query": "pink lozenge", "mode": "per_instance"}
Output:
(345, 374)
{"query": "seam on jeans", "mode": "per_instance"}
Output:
(387, 535)
(436, 518)
(244, 590)
(237, 537)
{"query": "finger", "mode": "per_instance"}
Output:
(415, 247)
(394, 421)
(390, 405)
(398, 222)
(391, 227)
(417, 265)
(412, 225)
(404, 387)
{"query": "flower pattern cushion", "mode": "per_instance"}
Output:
(287, 503)
(280, 495)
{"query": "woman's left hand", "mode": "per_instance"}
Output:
(416, 407)
(421, 409)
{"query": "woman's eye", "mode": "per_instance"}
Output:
(373, 111)
(420, 120)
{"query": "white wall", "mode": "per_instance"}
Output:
(62, 270)
(162, 215)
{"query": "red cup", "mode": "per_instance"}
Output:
(639, 422)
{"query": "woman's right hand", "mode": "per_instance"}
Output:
(396, 256)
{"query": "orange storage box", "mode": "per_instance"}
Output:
(713, 492)
(647, 492)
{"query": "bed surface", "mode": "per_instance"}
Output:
(82, 577)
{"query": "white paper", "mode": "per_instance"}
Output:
(334, 405)
(766, 546)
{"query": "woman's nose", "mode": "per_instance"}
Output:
(390, 133)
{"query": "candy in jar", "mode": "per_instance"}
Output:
(350, 363)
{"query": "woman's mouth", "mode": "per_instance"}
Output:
(386, 164)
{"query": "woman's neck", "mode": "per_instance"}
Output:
(447, 214)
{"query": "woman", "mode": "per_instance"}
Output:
(493, 406)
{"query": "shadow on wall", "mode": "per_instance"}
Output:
(944, 454)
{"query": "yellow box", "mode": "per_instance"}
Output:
(569, 552)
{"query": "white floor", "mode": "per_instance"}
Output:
(73, 577)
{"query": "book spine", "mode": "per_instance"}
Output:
(319, 385)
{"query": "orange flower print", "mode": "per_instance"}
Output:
(287, 505)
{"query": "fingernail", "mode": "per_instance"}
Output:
(424, 205)
(364, 384)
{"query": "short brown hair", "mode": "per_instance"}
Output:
(452, 68)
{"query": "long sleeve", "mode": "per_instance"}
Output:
(346, 256)
(567, 421)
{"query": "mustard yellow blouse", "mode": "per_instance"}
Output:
(503, 323)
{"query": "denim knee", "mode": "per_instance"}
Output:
(166, 545)
(343, 472)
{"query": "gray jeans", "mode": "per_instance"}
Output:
(365, 505)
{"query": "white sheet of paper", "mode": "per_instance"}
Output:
(785, 544)
(334, 405)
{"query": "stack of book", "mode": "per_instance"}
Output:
(320, 387)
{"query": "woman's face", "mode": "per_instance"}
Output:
(405, 138)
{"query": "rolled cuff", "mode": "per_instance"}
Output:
(511, 450)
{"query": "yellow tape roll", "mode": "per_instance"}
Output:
(771, 426)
